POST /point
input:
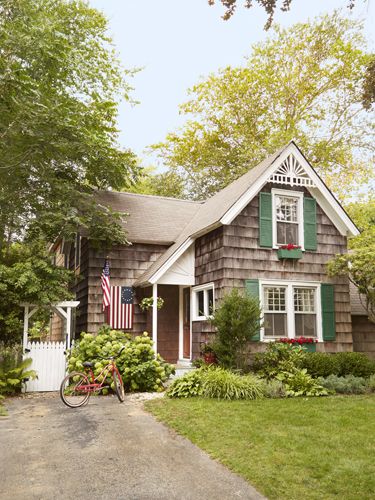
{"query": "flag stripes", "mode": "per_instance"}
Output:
(105, 285)
(120, 313)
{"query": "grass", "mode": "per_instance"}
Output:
(3, 411)
(302, 448)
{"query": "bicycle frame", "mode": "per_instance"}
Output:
(95, 385)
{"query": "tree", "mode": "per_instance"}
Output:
(305, 83)
(60, 87)
(237, 320)
(164, 184)
(359, 264)
(268, 5)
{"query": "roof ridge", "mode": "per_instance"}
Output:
(153, 196)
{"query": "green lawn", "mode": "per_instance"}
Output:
(302, 448)
(3, 411)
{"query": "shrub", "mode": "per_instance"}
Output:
(189, 385)
(300, 383)
(137, 364)
(237, 320)
(219, 383)
(321, 364)
(279, 357)
(272, 388)
(345, 385)
(371, 383)
(13, 370)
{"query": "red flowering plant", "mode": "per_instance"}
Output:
(298, 340)
(289, 246)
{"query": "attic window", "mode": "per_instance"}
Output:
(287, 218)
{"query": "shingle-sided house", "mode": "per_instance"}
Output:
(192, 253)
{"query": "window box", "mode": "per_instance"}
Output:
(295, 253)
(309, 347)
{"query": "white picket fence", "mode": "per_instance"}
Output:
(50, 364)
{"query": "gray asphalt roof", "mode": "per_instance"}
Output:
(152, 219)
(210, 212)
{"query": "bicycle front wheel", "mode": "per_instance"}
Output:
(119, 386)
(74, 391)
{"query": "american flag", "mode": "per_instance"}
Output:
(121, 308)
(105, 285)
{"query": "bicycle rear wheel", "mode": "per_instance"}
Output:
(73, 390)
(119, 386)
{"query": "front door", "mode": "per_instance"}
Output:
(186, 323)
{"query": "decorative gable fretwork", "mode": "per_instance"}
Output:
(292, 173)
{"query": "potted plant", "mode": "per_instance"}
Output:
(208, 353)
(148, 302)
(289, 251)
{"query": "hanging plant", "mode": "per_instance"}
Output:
(148, 302)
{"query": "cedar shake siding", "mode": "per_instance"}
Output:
(363, 335)
(231, 254)
(127, 263)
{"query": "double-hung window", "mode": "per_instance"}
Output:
(287, 218)
(203, 301)
(290, 309)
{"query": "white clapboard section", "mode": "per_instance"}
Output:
(50, 364)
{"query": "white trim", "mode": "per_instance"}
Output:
(322, 194)
(290, 285)
(155, 316)
(180, 322)
(193, 304)
(171, 260)
(292, 194)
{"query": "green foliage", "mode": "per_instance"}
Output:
(359, 264)
(320, 364)
(187, 386)
(299, 383)
(304, 83)
(371, 383)
(237, 320)
(148, 302)
(165, 184)
(216, 382)
(27, 275)
(272, 388)
(279, 357)
(139, 369)
(345, 385)
(13, 370)
(219, 383)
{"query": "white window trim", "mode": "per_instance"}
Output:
(292, 194)
(290, 305)
(194, 302)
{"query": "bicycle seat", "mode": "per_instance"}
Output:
(88, 364)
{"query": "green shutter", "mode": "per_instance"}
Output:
(309, 221)
(252, 289)
(265, 220)
(328, 311)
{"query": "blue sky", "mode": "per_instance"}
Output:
(177, 42)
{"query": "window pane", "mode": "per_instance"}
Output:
(200, 301)
(274, 299)
(275, 325)
(286, 209)
(304, 299)
(305, 325)
(210, 296)
(287, 233)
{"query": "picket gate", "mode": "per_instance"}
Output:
(50, 364)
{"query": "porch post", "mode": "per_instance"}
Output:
(180, 322)
(155, 316)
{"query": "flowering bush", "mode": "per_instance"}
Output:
(298, 340)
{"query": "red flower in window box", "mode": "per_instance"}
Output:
(289, 246)
(298, 340)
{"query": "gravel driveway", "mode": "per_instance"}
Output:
(105, 450)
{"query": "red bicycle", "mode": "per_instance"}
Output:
(76, 388)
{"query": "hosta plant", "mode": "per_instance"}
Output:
(299, 383)
(139, 368)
